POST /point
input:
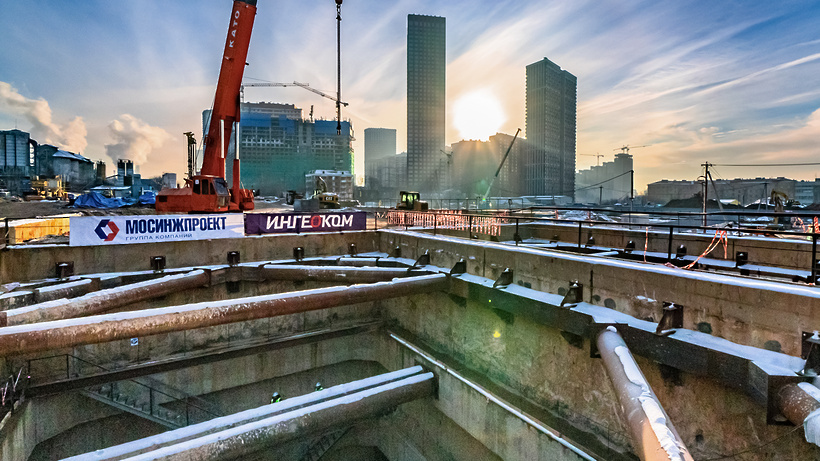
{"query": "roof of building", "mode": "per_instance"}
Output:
(71, 156)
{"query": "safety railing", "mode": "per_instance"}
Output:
(12, 392)
(660, 230)
(493, 203)
(448, 219)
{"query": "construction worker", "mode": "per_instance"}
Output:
(275, 398)
(319, 387)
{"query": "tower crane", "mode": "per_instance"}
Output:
(625, 149)
(301, 85)
(598, 162)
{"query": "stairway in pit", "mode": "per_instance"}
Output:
(155, 401)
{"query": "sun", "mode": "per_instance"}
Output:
(478, 115)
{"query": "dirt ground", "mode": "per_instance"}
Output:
(24, 210)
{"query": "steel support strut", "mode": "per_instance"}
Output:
(244, 440)
(104, 300)
(654, 438)
(800, 403)
(285, 419)
(44, 336)
(334, 273)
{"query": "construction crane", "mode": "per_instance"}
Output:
(301, 85)
(594, 155)
(487, 194)
(338, 67)
(208, 191)
(625, 149)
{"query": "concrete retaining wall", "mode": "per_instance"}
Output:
(562, 386)
(33, 262)
(747, 311)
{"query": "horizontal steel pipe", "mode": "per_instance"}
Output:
(21, 339)
(243, 441)
(222, 423)
(104, 300)
(654, 438)
(333, 273)
(63, 290)
(800, 404)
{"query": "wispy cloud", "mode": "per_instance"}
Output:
(697, 80)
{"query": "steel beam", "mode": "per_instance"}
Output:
(22, 339)
(335, 273)
(756, 372)
(654, 438)
(192, 359)
(104, 300)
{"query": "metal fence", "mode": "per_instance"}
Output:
(660, 229)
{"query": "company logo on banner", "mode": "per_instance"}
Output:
(104, 226)
(117, 230)
(270, 223)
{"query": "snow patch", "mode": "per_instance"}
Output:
(645, 299)
(654, 412)
(811, 425)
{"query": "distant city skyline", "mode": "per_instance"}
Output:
(696, 81)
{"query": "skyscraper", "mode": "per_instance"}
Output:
(379, 143)
(425, 103)
(549, 162)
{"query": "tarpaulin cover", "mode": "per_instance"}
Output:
(148, 198)
(97, 200)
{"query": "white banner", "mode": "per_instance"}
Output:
(117, 230)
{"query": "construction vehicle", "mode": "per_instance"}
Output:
(411, 201)
(46, 189)
(208, 191)
(327, 200)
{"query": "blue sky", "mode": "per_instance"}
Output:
(724, 82)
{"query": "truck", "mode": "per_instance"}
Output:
(208, 191)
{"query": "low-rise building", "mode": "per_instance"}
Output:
(339, 182)
(745, 191)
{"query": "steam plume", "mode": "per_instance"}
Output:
(135, 139)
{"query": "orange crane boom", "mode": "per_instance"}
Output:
(208, 191)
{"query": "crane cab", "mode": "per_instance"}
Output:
(201, 194)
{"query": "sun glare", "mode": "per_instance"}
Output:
(478, 115)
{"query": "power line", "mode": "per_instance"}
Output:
(765, 164)
(606, 180)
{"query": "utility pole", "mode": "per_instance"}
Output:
(631, 193)
(338, 67)
(705, 189)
